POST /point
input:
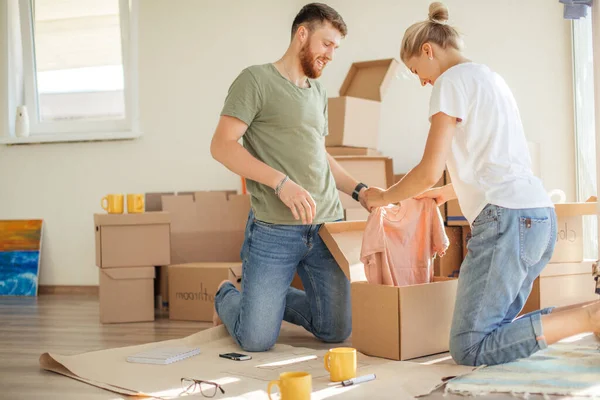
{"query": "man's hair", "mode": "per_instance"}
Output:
(315, 14)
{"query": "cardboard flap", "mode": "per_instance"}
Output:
(146, 218)
(183, 212)
(153, 201)
(369, 79)
(344, 241)
(576, 209)
(130, 273)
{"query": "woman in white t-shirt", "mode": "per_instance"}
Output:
(476, 133)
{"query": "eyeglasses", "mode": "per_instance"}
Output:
(207, 388)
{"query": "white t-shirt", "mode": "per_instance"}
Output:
(489, 162)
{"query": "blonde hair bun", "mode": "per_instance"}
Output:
(438, 12)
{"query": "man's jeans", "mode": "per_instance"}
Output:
(507, 251)
(271, 254)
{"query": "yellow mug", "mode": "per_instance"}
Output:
(340, 362)
(293, 386)
(135, 203)
(112, 203)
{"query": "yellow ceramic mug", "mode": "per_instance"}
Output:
(135, 203)
(293, 386)
(340, 362)
(113, 203)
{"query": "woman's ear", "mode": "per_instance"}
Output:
(428, 50)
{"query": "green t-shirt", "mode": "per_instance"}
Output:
(287, 126)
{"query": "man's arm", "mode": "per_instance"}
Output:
(226, 149)
(344, 181)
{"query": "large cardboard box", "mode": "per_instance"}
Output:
(561, 285)
(352, 151)
(126, 294)
(207, 226)
(449, 264)
(569, 240)
(192, 288)
(354, 116)
(373, 171)
(398, 323)
(132, 240)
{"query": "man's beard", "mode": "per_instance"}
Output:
(307, 60)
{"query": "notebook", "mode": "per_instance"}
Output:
(163, 355)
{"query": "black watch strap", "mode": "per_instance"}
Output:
(357, 189)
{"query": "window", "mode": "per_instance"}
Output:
(585, 134)
(75, 69)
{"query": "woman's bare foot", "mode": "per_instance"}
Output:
(215, 319)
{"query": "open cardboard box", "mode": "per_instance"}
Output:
(397, 323)
(371, 170)
(354, 115)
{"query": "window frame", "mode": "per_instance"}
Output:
(67, 131)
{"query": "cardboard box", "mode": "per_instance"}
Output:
(449, 264)
(398, 323)
(569, 240)
(561, 285)
(453, 214)
(297, 282)
(192, 288)
(132, 240)
(207, 226)
(466, 236)
(153, 201)
(352, 151)
(354, 116)
(373, 171)
(356, 214)
(126, 294)
(161, 288)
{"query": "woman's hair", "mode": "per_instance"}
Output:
(434, 30)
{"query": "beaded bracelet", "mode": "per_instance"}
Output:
(280, 185)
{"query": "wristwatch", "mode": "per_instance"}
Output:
(357, 189)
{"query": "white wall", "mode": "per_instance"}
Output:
(190, 51)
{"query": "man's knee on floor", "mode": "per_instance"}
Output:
(255, 343)
(335, 334)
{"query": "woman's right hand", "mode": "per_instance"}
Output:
(299, 201)
(439, 194)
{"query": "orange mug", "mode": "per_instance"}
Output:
(135, 203)
(292, 386)
(112, 203)
(341, 363)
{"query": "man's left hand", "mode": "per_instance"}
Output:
(373, 198)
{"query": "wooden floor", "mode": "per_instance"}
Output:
(69, 324)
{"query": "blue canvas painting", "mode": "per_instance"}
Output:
(20, 250)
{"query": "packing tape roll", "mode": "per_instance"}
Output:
(560, 193)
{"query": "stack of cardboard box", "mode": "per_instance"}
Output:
(354, 121)
(128, 247)
(207, 232)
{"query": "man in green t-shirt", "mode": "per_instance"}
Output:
(280, 111)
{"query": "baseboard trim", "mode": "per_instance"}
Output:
(67, 289)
